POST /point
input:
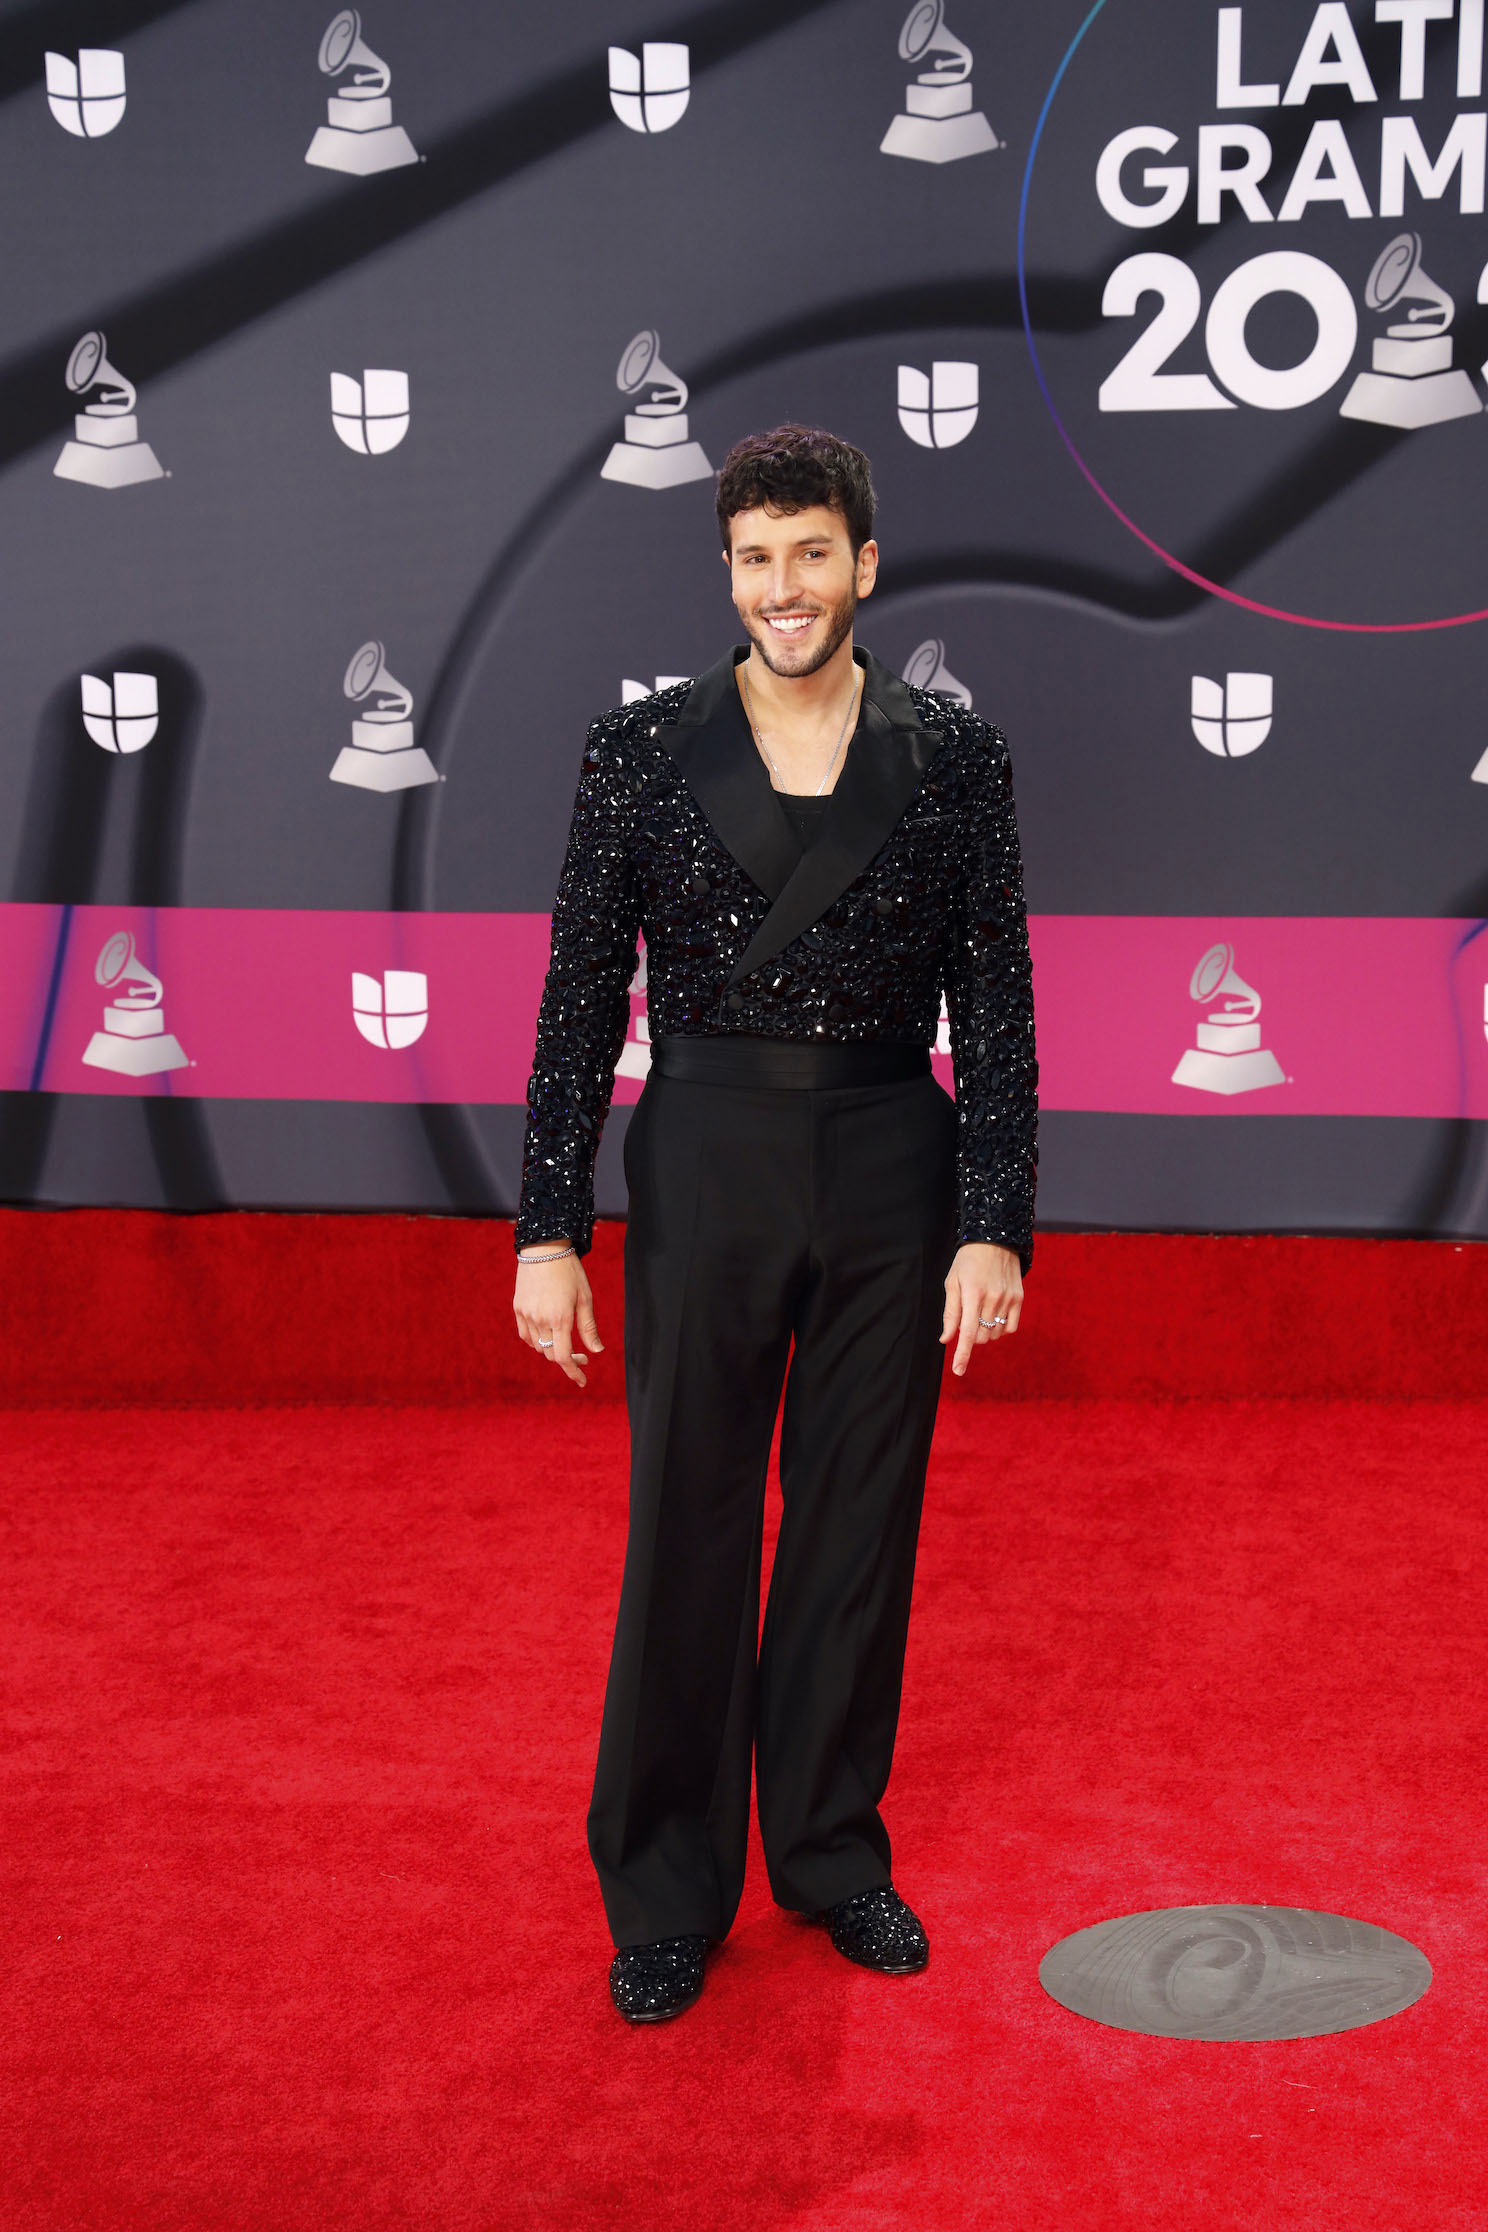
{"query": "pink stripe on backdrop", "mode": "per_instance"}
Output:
(1366, 1016)
(260, 1000)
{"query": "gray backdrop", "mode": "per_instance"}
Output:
(789, 268)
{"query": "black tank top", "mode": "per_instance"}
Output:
(804, 813)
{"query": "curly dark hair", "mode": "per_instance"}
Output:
(791, 468)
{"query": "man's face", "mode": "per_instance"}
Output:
(796, 584)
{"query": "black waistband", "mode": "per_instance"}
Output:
(803, 1064)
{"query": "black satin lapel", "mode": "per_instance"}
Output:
(716, 758)
(883, 769)
(884, 689)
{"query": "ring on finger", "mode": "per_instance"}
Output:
(991, 1322)
(545, 1344)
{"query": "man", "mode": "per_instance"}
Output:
(813, 850)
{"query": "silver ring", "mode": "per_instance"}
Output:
(545, 1344)
(990, 1322)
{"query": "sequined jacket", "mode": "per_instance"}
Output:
(913, 885)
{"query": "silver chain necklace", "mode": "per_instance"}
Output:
(852, 700)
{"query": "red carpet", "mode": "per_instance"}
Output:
(300, 1708)
(136, 1306)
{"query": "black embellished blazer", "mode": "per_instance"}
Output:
(911, 887)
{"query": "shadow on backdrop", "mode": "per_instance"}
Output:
(178, 317)
(26, 33)
(1452, 1199)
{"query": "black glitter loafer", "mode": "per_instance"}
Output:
(878, 1931)
(652, 1983)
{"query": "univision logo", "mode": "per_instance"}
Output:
(649, 91)
(1233, 717)
(370, 414)
(86, 96)
(122, 715)
(631, 692)
(938, 408)
(392, 1010)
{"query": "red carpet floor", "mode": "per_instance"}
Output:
(300, 1709)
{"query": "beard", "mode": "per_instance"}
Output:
(779, 657)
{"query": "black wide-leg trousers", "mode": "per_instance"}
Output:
(776, 1234)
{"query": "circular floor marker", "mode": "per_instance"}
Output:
(1228, 1972)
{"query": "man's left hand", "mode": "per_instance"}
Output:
(984, 1299)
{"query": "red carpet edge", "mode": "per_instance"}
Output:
(109, 1306)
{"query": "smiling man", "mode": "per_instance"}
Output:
(813, 852)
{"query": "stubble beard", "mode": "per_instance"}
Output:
(839, 627)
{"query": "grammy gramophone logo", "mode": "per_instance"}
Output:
(106, 450)
(655, 451)
(134, 1041)
(86, 96)
(359, 134)
(1412, 381)
(649, 91)
(939, 124)
(1229, 1056)
(382, 755)
(925, 669)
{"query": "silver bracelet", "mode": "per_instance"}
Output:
(556, 1257)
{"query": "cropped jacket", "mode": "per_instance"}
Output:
(912, 887)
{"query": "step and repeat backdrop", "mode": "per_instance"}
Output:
(363, 380)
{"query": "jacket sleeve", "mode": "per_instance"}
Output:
(989, 993)
(582, 1022)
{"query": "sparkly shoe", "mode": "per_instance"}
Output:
(878, 1931)
(651, 1983)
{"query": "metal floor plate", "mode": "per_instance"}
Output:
(1234, 1972)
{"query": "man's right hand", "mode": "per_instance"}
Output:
(550, 1301)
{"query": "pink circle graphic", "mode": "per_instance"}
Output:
(1189, 573)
